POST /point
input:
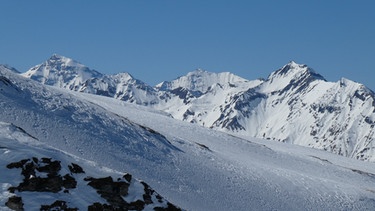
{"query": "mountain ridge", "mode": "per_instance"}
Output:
(295, 104)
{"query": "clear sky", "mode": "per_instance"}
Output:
(161, 40)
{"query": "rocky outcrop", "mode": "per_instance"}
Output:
(44, 175)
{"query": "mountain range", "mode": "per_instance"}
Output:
(69, 150)
(295, 104)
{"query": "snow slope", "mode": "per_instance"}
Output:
(17, 146)
(192, 166)
(256, 174)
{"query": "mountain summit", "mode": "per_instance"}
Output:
(62, 72)
(200, 80)
(292, 75)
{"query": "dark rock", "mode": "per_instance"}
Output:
(76, 169)
(52, 183)
(102, 207)
(46, 160)
(110, 190)
(170, 207)
(137, 205)
(128, 177)
(88, 178)
(15, 203)
(52, 168)
(17, 164)
(148, 193)
(69, 182)
(57, 206)
(12, 189)
(35, 160)
(159, 198)
(29, 170)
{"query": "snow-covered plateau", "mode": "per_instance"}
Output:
(189, 165)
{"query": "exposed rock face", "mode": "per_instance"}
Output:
(44, 175)
(76, 169)
(15, 203)
(57, 205)
(32, 168)
(110, 190)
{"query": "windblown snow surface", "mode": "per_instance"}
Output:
(191, 166)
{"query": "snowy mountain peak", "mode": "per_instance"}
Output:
(291, 75)
(124, 77)
(200, 80)
(56, 59)
(291, 69)
(198, 71)
(62, 72)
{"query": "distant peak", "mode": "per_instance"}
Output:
(292, 69)
(63, 60)
(292, 75)
(292, 65)
(197, 71)
(60, 70)
(58, 57)
(55, 56)
(123, 76)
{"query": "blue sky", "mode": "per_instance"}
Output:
(161, 40)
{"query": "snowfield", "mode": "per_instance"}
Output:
(191, 166)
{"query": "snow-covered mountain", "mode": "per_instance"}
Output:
(62, 72)
(121, 86)
(67, 73)
(294, 104)
(191, 166)
(200, 80)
